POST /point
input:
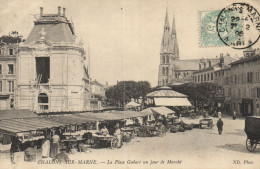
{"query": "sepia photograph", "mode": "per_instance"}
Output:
(129, 84)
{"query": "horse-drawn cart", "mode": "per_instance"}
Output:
(252, 129)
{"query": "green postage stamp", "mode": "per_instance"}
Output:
(208, 29)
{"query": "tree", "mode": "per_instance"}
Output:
(200, 93)
(124, 91)
(12, 38)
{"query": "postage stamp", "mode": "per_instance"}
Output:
(238, 25)
(208, 30)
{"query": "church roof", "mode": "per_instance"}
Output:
(186, 65)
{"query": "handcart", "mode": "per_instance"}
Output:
(252, 129)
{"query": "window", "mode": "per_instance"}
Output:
(167, 70)
(257, 76)
(1, 52)
(163, 59)
(43, 102)
(195, 78)
(201, 77)
(167, 59)
(1, 88)
(43, 69)
(163, 70)
(10, 69)
(11, 86)
(11, 52)
(208, 76)
(0, 69)
(211, 76)
(204, 77)
(198, 78)
(250, 77)
(258, 92)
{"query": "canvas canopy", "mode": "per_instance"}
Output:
(14, 126)
(16, 114)
(132, 104)
(172, 102)
(159, 110)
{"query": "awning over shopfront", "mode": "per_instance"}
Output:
(172, 102)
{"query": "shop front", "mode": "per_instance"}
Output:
(247, 107)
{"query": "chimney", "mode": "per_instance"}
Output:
(59, 10)
(64, 9)
(41, 11)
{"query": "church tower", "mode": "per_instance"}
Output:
(168, 53)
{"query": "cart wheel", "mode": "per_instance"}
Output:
(114, 143)
(192, 115)
(251, 144)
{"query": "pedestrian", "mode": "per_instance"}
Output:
(14, 147)
(55, 146)
(234, 115)
(46, 147)
(118, 135)
(220, 126)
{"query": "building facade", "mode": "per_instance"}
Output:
(51, 68)
(8, 54)
(241, 84)
(208, 67)
(244, 84)
(98, 95)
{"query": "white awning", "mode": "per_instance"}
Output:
(172, 102)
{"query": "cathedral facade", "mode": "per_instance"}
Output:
(172, 70)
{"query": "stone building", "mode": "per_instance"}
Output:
(241, 83)
(52, 71)
(98, 95)
(8, 54)
(207, 67)
(244, 84)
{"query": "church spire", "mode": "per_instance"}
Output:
(174, 43)
(166, 34)
(173, 25)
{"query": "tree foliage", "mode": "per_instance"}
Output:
(12, 38)
(202, 93)
(124, 91)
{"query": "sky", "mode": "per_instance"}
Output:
(123, 36)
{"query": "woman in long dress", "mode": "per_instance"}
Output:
(118, 135)
(46, 148)
(55, 146)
